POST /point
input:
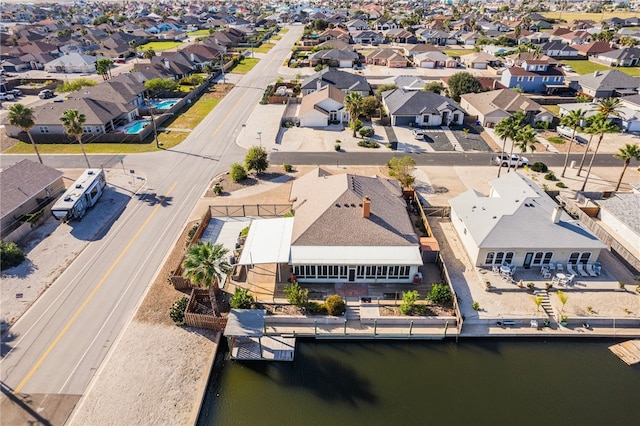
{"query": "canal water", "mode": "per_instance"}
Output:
(487, 382)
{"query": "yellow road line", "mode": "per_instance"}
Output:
(88, 299)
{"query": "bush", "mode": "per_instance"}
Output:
(192, 80)
(244, 232)
(296, 295)
(550, 176)
(475, 306)
(238, 172)
(75, 85)
(338, 141)
(366, 131)
(369, 144)
(357, 124)
(266, 94)
(409, 299)
(177, 310)
(10, 255)
(539, 167)
(217, 189)
(440, 294)
(542, 124)
(561, 185)
(287, 167)
(316, 308)
(241, 299)
(337, 147)
(257, 159)
(335, 305)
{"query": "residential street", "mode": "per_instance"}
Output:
(64, 337)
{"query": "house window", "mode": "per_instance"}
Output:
(98, 129)
(545, 79)
(323, 271)
(499, 258)
(537, 258)
(584, 257)
(44, 129)
(547, 257)
(334, 271)
(489, 258)
(360, 272)
(520, 79)
(530, 78)
(86, 129)
(573, 258)
(509, 257)
(557, 78)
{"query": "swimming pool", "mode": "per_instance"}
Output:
(166, 104)
(137, 127)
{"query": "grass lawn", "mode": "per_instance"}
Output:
(457, 52)
(264, 48)
(276, 37)
(188, 120)
(283, 30)
(597, 17)
(587, 67)
(198, 33)
(159, 46)
(245, 66)
(555, 109)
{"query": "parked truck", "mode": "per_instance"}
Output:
(82, 195)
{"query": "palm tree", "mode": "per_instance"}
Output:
(22, 117)
(353, 105)
(507, 128)
(206, 264)
(609, 107)
(72, 120)
(626, 154)
(526, 139)
(600, 127)
(148, 53)
(591, 130)
(573, 120)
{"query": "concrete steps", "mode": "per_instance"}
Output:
(353, 311)
(546, 303)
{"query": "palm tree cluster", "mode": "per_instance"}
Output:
(521, 135)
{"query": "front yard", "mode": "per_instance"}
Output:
(244, 66)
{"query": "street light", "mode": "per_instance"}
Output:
(260, 137)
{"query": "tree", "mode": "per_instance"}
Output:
(206, 264)
(103, 68)
(256, 159)
(72, 120)
(626, 154)
(461, 83)
(525, 140)
(296, 295)
(434, 86)
(573, 120)
(440, 294)
(148, 53)
(402, 168)
(385, 87)
(158, 85)
(370, 105)
(599, 127)
(335, 305)
(241, 299)
(353, 106)
(237, 172)
(608, 107)
(10, 255)
(22, 117)
(507, 128)
(563, 298)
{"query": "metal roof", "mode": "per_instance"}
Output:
(268, 241)
(245, 323)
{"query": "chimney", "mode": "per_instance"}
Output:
(366, 206)
(318, 84)
(555, 214)
(166, 63)
(193, 57)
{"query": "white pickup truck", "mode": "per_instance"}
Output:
(516, 160)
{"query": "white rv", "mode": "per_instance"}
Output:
(83, 194)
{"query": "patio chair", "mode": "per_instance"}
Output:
(581, 270)
(495, 269)
(570, 269)
(547, 274)
(559, 267)
(544, 270)
(570, 278)
(555, 280)
(597, 268)
(552, 267)
(590, 270)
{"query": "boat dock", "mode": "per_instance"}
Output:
(628, 351)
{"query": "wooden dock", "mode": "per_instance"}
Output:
(266, 348)
(628, 351)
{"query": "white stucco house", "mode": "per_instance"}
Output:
(520, 224)
(322, 107)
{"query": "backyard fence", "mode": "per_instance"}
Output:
(260, 210)
(177, 280)
(199, 320)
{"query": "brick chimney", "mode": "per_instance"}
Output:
(366, 207)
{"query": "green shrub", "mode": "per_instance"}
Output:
(366, 131)
(10, 255)
(542, 124)
(337, 147)
(335, 305)
(369, 144)
(241, 299)
(217, 189)
(539, 167)
(296, 295)
(475, 306)
(192, 80)
(358, 124)
(409, 299)
(75, 85)
(561, 185)
(338, 141)
(238, 172)
(244, 232)
(316, 308)
(440, 294)
(266, 94)
(177, 310)
(556, 139)
(287, 167)
(550, 176)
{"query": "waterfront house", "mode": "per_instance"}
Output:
(621, 215)
(518, 223)
(419, 108)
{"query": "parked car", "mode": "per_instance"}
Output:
(6, 97)
(516, 160)
(567, 68)
(45, 94)
(418, 134)
(15, 92)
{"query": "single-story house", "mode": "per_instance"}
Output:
(558, 49)
(492, 106)
(387, 58)
(605, 84)
(26, 188)
(334, 58)
(629, 120)
(73, 62)
(421, 108)
(345, 81)
(367, 37)
(320, 108)
(479, 60)
(434, 60)
(347, 228)
(409, 82)
(593, 48)
(621, 214)
(518, 223)
(625, 57)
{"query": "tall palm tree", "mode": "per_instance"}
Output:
(573, 120)
(353, 105)
(526, 139)
(626, 154)
(22, 117)
(600, 127)
(507, 128)
(72, 120)
(591, 129)
(609, 107)
(206, 264)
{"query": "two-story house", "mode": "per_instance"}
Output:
(533, 76)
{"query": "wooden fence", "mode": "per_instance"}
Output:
(177, 280)
(260, 210)
(207, 321)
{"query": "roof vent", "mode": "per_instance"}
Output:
(78, 186)
(68, 199)
(338, 205)
(346, 204)
(90, 172)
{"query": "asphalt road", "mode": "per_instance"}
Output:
(63, 338)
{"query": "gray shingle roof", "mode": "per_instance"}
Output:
(625, 208)
(341, 79)
(608, 80)
(400, 102)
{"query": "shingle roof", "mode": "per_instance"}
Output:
(608, 80)
(335, 54)
(400, 102)
(329, 212)
(327, 92)
(96, 112)
(625, 53)
(506, 100)
(22, 181)
(625, 208)
(341, 79)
